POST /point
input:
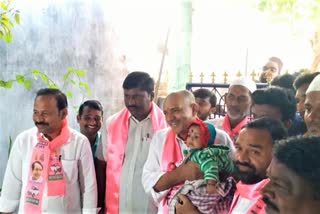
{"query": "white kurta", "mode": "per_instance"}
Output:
(78, 167)
(152, 168)
(132, 197)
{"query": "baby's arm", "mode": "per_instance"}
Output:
(211, 186)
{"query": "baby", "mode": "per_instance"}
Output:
(211, 159)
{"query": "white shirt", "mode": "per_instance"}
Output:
(152, 168)
(132, 197)
(242, 205)
(78, 167)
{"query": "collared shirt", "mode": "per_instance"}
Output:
(81, 189)
(224, 124)
(152, 168)
(132, 197)
(96, 143)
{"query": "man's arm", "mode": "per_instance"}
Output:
(12, 182)
(189, 171)
(101, 181)
(87, 178)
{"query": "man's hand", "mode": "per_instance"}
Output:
(184, 206)
(189, 171)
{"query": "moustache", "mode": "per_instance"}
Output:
(270, 204)
(41, 123)
(245, 164)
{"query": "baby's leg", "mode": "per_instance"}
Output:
(211, 186)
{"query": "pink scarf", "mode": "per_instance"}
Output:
(46, 165)
(233, 133)
(171, 154)
(251, 192)
(117, 140)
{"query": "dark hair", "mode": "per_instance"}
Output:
(284, 81)
(301, 155)
(34, 163)
(204, 93)
(139, 79)
(275, 127)
(94, 104)
(304, 78)
(278, 61)
(61, 98)
(281, 98)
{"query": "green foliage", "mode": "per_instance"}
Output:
(291, 10)
(8, 18)
(71, 78)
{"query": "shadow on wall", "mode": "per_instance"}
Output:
(53, 36)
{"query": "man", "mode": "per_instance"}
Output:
(312, 107)
(301, 84)
(275, 102)
(238, 101)
(285, 81)
(252, 157)
(271, 69)
(128, 136)
(207, 103)
(294, 177)
(69, 184)
(167, 147)
(89, 118)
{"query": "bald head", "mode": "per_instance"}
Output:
(179, 109)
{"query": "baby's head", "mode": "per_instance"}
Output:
(200, 134)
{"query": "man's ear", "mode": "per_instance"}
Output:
(64, 113)
(213, 110)
(78, 118)
(152, 96)
(287, 123)
(195, 109)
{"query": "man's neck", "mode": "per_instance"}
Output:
(92, 138)
(235, 122)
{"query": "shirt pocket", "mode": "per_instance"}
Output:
(70, 168)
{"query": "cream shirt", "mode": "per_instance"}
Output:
(152, 168)
(77, 162)
(132, 197)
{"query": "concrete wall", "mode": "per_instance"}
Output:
(54, 35)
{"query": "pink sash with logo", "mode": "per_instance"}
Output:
(45, 168)
(171, 154)
(117, 140)
(233, 133)
(251, 192)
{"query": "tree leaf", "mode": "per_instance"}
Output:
(3, 6)
(84, 85)
(7, 37)
(70, 70)
(72, 82)
(54, 85)
(20, 79)
(35, 72)
(27, 84)
(68, 94)
(17, 18)
(2, 83)
(80, 72)
(8, 84)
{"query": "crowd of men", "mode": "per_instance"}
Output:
(123, 167)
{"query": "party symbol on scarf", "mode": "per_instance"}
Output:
(55, 168)
(33, 191)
